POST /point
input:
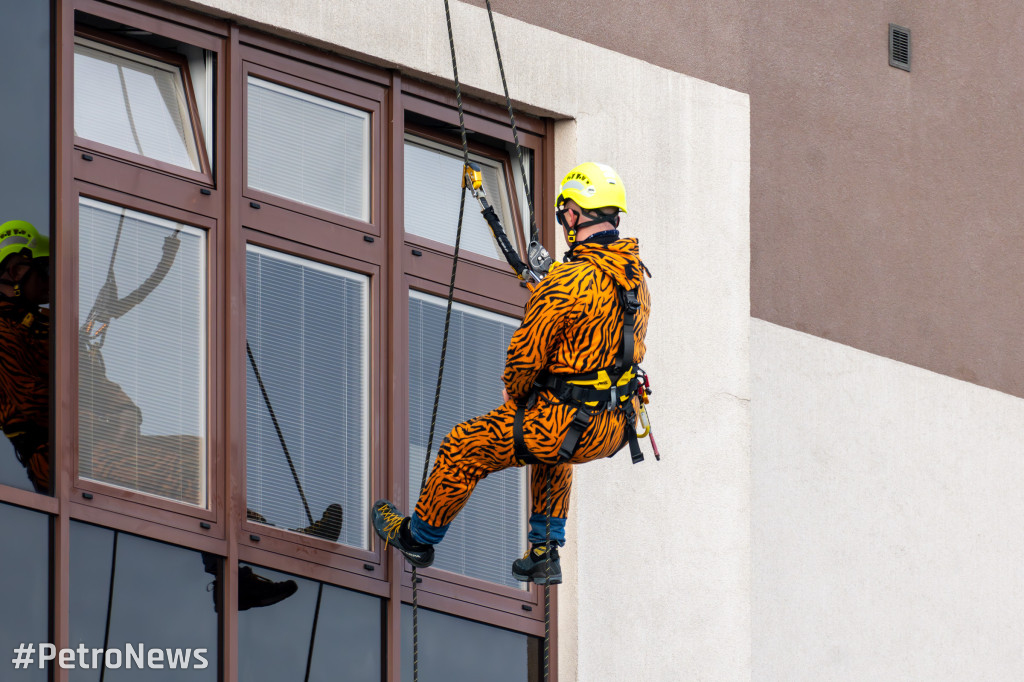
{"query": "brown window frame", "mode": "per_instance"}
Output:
(511, 225)
(205, 173)
(219, 201)
(482, 282)
(330, 85)
(259, 540)
(143, 184)
(114, 498)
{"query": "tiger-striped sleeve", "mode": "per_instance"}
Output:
(551, 310)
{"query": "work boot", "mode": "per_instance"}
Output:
(255, 590)
(329, 525)
(257, 517)
(540, 564)
(393, 529)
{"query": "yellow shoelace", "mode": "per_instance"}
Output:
(393, 521)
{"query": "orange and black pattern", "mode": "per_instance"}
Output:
(572, 325)
(25, 388)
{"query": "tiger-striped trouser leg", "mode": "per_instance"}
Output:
(484, 445)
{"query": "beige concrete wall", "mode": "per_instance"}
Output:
(659, 555)
(886, 518)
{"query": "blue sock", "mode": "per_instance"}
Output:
(425, 534)
(539, 533)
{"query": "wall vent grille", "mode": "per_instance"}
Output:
(899, 47)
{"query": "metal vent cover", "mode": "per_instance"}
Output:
(899, 47)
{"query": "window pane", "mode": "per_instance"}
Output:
(433, 181)
(309, 149)
(126, 590)
(307, 327)
(452, 648)
(25, 599)
(320, 632)
(490, 532)
(133, 103)
(141, 380)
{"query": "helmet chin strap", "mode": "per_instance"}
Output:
(570, 237)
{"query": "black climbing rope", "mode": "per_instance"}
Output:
(280, 434)
(534, 234)
(110, 599)
(444, 344)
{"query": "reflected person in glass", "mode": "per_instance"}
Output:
(25, 347)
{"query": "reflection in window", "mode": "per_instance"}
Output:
(141, 365)
(25, 598)
(452, 648)
(321, 632)
(126, 590)
(490, 531)
(433, 175)
(133, 103)
(308, 149)
(307, 327)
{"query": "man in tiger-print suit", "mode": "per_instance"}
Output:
(573, 325)
(25, 348)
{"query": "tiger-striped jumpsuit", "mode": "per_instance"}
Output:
(25, 388)
(572, 325)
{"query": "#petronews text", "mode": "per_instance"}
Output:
(93, 659)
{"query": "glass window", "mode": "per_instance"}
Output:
(452, 648)
(308, 149)
(134, 103)
(307, 330)
(135, 595)
(142, 340)
(320, 632)
(433, 174)
(25, 599)
(491, 531)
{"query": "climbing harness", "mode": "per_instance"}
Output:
(613, 388)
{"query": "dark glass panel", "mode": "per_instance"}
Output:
(129, 591)
(320, 632)
(453, 648)
(25, 597)
(12, 473)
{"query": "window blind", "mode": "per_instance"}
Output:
(490, 532)
(142, 385)
(433, 177)
(133, 103)
(307, 325)
(308, 149)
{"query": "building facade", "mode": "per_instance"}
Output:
(252, 214)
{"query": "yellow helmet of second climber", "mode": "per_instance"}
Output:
(18, 235)
(592, 185)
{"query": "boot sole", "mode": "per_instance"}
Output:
(549, 580)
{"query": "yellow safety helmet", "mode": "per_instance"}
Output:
(18, 235)
(592, 186)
